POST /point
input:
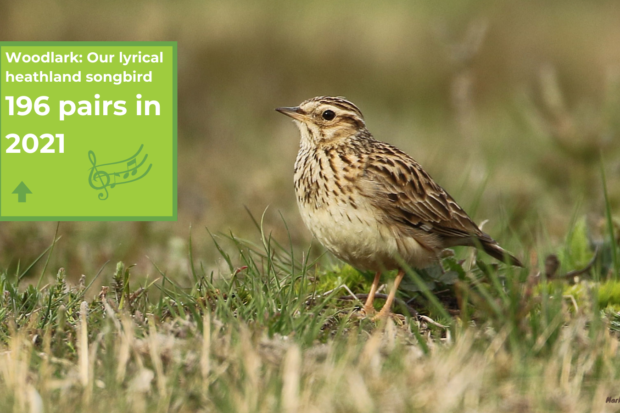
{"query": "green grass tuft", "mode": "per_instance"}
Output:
(268, 333)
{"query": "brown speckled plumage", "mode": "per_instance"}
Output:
(368, 202)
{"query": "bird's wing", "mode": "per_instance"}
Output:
(399, 187)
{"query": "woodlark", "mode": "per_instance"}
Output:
(371, 204)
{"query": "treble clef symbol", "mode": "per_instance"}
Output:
(98, 175)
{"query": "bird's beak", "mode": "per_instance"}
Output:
(294, 112)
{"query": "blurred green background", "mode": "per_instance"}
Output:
(507, 104)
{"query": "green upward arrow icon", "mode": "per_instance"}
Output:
(21, 192)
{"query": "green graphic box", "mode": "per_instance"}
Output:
(88, 131)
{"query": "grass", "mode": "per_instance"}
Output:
(503, 105)
(271, 333)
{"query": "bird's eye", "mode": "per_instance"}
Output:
(328, 115)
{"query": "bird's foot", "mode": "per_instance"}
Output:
(369, 310)
(398, 319)
(382, 315)
(366, 311)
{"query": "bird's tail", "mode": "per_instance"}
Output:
(495, 251)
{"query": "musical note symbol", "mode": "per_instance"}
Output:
(101, 180)
(114, 183)
(94, 173)
(134, 171)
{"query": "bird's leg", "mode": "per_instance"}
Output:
(368, 307)
(385, 311)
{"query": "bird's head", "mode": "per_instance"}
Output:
(323, 119)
